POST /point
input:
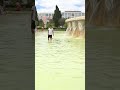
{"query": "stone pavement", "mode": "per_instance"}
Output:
(16, 52)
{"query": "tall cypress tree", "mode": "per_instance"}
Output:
(57, 15)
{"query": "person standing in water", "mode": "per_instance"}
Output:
(50, 33)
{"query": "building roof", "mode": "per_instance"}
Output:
(72, 11)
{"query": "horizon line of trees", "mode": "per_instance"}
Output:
(57, 20)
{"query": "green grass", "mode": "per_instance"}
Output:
(54, 29)
(60, 29)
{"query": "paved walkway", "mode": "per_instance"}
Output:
(16, 52)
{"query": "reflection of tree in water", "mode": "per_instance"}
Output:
(103, 12)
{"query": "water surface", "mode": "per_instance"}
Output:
(59, 65)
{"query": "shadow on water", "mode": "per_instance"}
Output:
(16, 52)
(102, 56)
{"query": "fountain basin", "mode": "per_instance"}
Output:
(76, 26)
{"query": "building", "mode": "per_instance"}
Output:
(72, 14)
(67, 14)
(45, 15)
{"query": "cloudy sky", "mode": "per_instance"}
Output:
(64, 5)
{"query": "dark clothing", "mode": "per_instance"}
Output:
(49, 36)
(33, 24)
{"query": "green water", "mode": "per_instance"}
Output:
(59, 65)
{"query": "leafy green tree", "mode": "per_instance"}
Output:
(41, 23)
(62, 21)
(57, 15)
(50, 23)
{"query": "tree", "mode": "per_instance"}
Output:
(62, 21)
(41, 23)
(57, 15)
(50, 23)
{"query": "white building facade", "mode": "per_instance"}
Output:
(67, 14)
(72, 14)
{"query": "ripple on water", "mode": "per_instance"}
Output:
(59, 64)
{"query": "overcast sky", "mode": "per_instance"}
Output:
(64, 5)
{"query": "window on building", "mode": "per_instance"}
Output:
(69, 14)
(72, 14)
(83, 14)
(65, 15)
(79, 14)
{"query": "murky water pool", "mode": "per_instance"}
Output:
(59, 65)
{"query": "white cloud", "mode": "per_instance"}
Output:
(64, 5)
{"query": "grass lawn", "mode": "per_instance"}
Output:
(54, 29)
